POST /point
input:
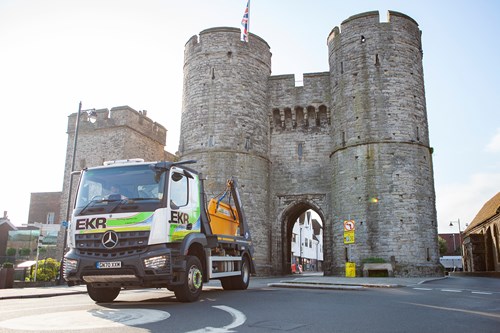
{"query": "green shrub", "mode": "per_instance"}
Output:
(48, 270)
(11, 252)
(443, 246)
(373, 260)
(7, 265)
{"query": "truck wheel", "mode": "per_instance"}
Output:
(238, 282)
(227, 283)
(103, 295)
(190, 290)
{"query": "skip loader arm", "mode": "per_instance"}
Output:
(244, 230)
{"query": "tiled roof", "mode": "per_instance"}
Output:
(490, 209)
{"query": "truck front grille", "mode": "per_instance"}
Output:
(130, 242)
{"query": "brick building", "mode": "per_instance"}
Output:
(45, 207)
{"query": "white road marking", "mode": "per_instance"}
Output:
(238, 319)
(85, 319)
(481, 293)
(457, 291)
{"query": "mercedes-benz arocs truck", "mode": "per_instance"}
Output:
(139, 224)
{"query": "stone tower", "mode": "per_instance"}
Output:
(381, 159)
(225, 119)
(351, 143)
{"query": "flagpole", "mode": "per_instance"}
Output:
(248, 29)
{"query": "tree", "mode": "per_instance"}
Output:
(11, 252)
(443, 246)
(24, 251)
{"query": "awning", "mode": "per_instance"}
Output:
(26, 264)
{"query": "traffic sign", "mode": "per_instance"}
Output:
(349, 225)
(349, 237)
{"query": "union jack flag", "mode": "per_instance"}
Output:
(245, 22)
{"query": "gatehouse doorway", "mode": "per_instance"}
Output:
(303, 250)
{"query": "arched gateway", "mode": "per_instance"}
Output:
(351, 143)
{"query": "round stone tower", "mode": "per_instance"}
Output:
(225, 122)
(381, 159)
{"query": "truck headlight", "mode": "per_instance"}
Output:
(69, 265)
(156, 262)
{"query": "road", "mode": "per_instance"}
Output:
(449, 305)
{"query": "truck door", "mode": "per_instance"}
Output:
(183, 204)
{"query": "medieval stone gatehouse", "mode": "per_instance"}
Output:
(352, 143)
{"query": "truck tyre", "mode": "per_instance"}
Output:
(103, 295)
(190, 290)
(241, 281)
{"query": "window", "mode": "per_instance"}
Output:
(178, 190)
(50, 217)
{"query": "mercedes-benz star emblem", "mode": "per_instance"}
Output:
(110, 239)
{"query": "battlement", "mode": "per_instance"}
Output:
(372, 18)
(227, 40)
(118, 117)
(301, 107)
(206, 36)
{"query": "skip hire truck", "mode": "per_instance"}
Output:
(139, 224)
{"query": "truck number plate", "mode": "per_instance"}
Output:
(108, 264)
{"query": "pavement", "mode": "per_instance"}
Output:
(309, 281)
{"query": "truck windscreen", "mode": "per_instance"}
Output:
(123, 188)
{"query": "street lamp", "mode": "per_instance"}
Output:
(459, 234)
(91, 117)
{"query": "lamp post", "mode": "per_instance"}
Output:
(459, 234)
(91, 117)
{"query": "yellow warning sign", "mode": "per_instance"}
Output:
(349, 237)
(350, 269)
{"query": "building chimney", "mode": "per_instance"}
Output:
(5, 214)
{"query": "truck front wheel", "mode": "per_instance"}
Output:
(103, 295)
(191, 289)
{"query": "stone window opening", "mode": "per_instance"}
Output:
(312, 115)
(377, 60)
(363, 39)
(299, 116)
(248, 143)
(276, 118)
(300, 150)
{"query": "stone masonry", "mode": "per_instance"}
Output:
(352, 143)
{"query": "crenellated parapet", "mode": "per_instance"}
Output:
(299, 107)
(121, 116)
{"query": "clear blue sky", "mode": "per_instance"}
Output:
(106, 53)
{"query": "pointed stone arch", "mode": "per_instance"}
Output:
(295, 206)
